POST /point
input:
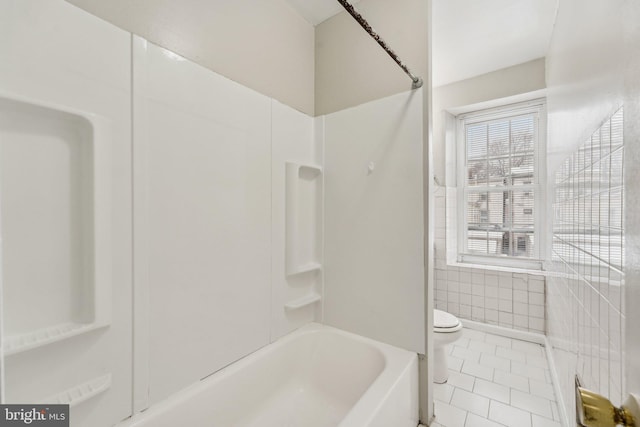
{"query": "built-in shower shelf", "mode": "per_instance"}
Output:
(306, 268)
(306, 300)
(303, 212)
(81, 392)
(18, 343)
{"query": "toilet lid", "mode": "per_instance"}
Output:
(444, 320)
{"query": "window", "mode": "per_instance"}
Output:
(500, 169)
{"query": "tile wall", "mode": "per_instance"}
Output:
(504, 298)
(585, 309)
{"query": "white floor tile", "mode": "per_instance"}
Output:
(498, 340)
(463, 342)
(482, 347)
(542, 389)
(531, 403)
(528, 371)
(443, 392)
(474, 335)
(471, 402)
(512, 380)
(476, 421)
(539, 421)
(477, 370)
(539, 361)
(496, 381)
(465, 353)
(454, 363)
(492, 390)
(508, 415)
(495, 362)
(528, 347)
(509, 353)
(461, 380)
(449, 416)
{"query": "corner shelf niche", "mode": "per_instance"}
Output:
(82, 392)
(306, 300)
(55, 223)
(303, 231)
(18, 343)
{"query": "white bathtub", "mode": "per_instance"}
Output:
(317, 376)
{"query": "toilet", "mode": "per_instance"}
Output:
(447, 329)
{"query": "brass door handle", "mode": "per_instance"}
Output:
(594, 410)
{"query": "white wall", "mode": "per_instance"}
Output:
(592, 70)
(209, 222)
(631, 13)
(374, 224)
(585, 304)
(264, 45)
(203, 188)
(584, 73)
(350, 67)
(45, 62)
(294, 140)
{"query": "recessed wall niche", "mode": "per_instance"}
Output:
(55, 248)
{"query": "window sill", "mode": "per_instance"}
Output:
(498, 268)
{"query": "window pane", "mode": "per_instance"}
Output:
(501, 222)
(477, 208)
(477, 242)
(477, 172)
(497, 202)
(499, 172)
(522, 170)
(500, 166)
(523, 209)
(498, 144)
(476, 141)
(522, 135)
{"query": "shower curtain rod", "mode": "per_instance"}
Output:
(417, 81)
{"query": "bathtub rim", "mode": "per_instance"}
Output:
(397, 363)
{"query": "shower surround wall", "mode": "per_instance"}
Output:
(208, 182)
(374, 246)
(75, 96)
(210, 158)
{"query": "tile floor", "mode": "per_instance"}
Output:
(496, 382)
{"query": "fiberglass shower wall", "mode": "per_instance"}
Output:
(65, 197)
(211, 186)
(216, 175)
(374, 222)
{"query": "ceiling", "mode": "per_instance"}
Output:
(316, 11)
(471, 37)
